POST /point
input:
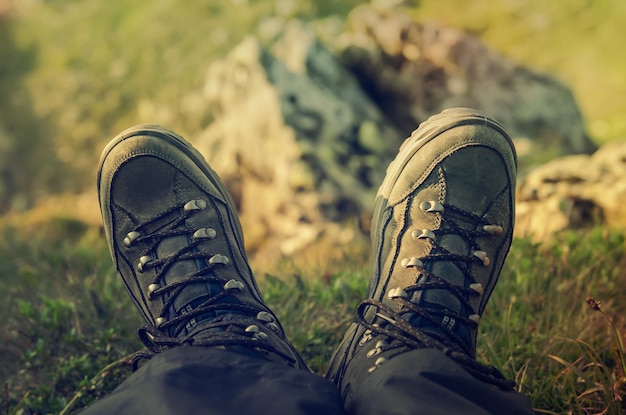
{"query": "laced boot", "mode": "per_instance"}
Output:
(441, 229)
(176, 240)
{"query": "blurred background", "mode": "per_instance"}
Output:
(73, 74)
(300, 105)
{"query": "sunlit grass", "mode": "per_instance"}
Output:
(540, 330)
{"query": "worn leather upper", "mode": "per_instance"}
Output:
(175, 238)
(441, 230)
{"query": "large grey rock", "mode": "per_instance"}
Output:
(298, 143)
(415, 70)
(574, 191)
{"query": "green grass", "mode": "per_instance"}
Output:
(66, 315)
(541, 331)
(68, 326)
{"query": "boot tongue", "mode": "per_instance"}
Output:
(190, 296)
(442, 299)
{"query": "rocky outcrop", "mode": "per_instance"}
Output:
(414, 70)
(298, 143)
(574, 191)
(302, 143)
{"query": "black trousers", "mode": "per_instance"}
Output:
(195, 380)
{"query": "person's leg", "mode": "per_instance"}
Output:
(196, 380)
(441, 230)
(175, 239)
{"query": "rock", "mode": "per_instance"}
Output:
(415, 70)
(573, 192)
(297, 142)
(302, 147)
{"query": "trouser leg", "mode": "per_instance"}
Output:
(426, 381)
(195, 380)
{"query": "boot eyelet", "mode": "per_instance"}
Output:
(373, 352)
(130, 238)
(219, 259)
(152, 288)
(265, 317)
(377, 364)
(234, 285)
(493, 230)
(423, 234)
(204, 233)
(431, 206)
(196, 204)
(397, 292)
(261, 336)
(413, 262)
(477, 288)
(142, 263)
(367, 336)
(252, 329)
(482, 255)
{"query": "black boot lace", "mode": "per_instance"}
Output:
(227, 320)
(395, 325)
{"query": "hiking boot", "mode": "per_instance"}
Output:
(441, 230)
(176, 240)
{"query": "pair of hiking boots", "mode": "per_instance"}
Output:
(441, 229)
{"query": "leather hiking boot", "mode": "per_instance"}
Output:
(176, 240)
(441, 230)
